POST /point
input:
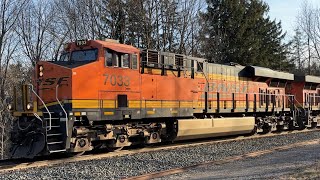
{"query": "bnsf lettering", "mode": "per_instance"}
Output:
(116, 80)
(52, 81)
(49, 81)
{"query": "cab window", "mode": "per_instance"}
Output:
(84, 55)
(134, 62)
(64, 57)
(125, 60)
(117, 59)
(111, 58)
(108, 57)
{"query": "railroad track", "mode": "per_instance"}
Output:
(219, 162)
(11, 165)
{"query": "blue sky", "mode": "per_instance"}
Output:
(287, 11)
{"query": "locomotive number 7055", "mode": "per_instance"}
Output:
(116, 80)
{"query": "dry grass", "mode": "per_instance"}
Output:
(311, 172)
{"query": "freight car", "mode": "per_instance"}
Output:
(102, 94)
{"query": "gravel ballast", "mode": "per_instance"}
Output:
(147, 162)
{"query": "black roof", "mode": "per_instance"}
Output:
(255, 71)
(307, 78)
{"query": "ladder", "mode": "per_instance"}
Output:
(55, 136)
(56, 126)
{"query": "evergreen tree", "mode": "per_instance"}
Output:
(240, 31)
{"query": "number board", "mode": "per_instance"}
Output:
(116, 80)
(81, 42)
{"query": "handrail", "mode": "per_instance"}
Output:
(62, 109)
(38, 117)
(44, 105)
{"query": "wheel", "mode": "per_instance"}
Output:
(266, 129)
(291, 126)
(253, 132)
(301, 125)
(314, 125)
(280, 128)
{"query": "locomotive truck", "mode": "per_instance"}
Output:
(103, 94)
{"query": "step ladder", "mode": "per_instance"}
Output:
(55, 135)
(56, 127)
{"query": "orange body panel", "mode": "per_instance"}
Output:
(53, 75)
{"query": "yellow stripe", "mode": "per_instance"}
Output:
(200, 104)
(251, 104)
(108, 113)
(156, 71)
(85, 104)
(240, 104)
(213, 104)
(229, 104)
(94, 104)
(186, 104)
(134, 104)
(109, 104)
(153, 104)
(170, 104)
(151, 112)
(198, 111)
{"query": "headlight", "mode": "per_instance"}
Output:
(29, 106)
(40, 70)
(10, 106)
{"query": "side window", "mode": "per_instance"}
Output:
(134, 62)
(108, 57)
(125, 61)
(115, 60)
(199, 66)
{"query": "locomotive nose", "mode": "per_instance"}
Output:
(53, 81)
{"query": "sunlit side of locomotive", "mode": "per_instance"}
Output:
(103, 94)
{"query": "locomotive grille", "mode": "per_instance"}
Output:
(153, 58)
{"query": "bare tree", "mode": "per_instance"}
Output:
(37, 30)
(188, 29)
(309, 23)
(10, 10)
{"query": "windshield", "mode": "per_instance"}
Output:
(64, 57)
(84, 55)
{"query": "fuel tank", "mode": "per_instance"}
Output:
(214, 127)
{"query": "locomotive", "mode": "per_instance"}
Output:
(103, 94)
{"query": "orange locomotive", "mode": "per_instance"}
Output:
(102, 94)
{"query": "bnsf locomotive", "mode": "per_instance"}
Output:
(102, 94)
